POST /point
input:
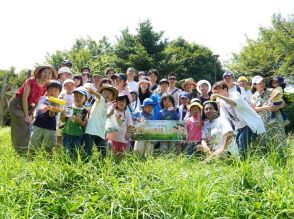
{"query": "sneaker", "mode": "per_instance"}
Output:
(272, 121)
(286, 122)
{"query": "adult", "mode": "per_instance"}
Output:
(66, 63)
(120, 84)
(173, 90)
(64, 73)
(141, 74)
(243, 82)
(203, 88)
(22, 105)
(96, 78)
(217, 133)
(132, 84)
(247, 122)
(153, 76)
(274, 134)
(109, 72)
(189, 86)
(228, 78)
(78, 79)
(144, 89)
(86, 71)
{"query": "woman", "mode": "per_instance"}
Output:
(189, 86)
(22, 105)
(217, 133)
(203, 88)
(144, 89)
(274, 134)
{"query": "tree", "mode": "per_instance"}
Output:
(190, 60)
(272, 53)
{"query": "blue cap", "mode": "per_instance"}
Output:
(227, 73)
(148, 102)
(279, 79)
(121, 76)
(185, 95)
(81, 91)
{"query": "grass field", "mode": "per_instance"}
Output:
(164, 187)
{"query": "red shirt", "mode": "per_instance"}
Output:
(194, 128)
(35, 90)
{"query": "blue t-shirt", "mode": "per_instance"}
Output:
(165, 114)
(141, 114)
(43, 120)
(156, 107)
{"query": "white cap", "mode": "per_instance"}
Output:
(90, 86)
(69, 81)
(257, 79)
(64, 70)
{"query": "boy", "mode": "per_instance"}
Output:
(44, 127)
(95, 130)
(74, 129)
(144, 147)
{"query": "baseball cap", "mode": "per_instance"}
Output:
(257, 79)
(81, 90)
(148, 102)
(164, 80)
(242, 78)
(68, 81)
(185, 94)
(227, 73)
(121, 76)
(64, 70)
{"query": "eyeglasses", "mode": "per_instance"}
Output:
(172, 79)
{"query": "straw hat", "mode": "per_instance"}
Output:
(110, 88)
(38, 70)
(188, 81)
(199, 83)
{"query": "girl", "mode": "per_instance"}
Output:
(168, 112)
(121, 138)
(135, 104)
(22, 105)
(194, 127)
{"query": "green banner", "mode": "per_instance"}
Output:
(159, 130)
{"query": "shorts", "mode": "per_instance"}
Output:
(118, 147)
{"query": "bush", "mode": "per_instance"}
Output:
(289, 110)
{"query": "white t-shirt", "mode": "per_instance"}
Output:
(97, 118)
(133, 86)
(124, 120)
(175, 92)
(217, 130)
(242, 114)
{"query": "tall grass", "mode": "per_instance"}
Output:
(163, 187)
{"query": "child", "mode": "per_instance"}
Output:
(183, 108)
(121, 138)
(44, 127)
(66, 94)
(194, 127)
(74, 129)
(278, 84)
(168, 112)
(144, 147)
(95, 131)
(135, 103)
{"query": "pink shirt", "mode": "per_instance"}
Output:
(194, 129)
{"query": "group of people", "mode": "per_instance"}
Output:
(223, 119)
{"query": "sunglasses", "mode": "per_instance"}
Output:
(172, 79)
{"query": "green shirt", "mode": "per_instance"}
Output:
(74, 128)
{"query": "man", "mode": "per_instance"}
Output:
(173, 90)
(247, 122)
(153, 76)
(229, 80)
(96, 78)
(66, 63)
(131, 73)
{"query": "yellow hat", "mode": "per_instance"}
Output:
(242, 78)
(195, 104)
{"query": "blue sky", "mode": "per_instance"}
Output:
(32, 28)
